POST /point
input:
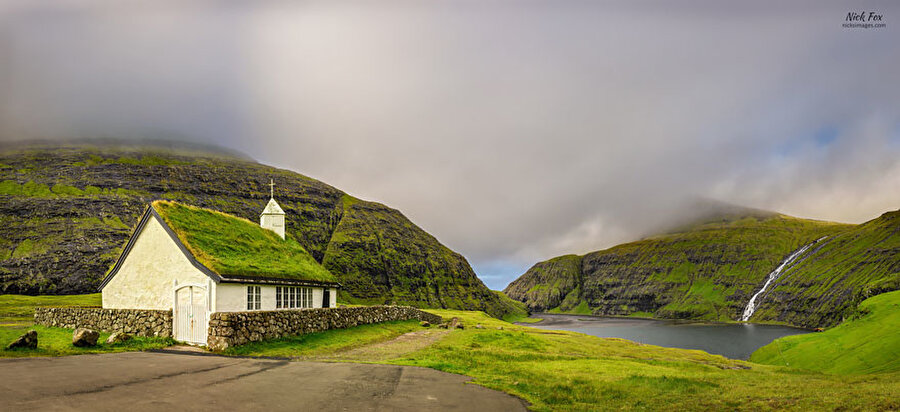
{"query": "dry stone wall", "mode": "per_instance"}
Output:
(228, 329)
(131, 321)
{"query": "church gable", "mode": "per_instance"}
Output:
(230, 249)
(142, 278)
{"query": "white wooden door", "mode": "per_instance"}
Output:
(190, 314)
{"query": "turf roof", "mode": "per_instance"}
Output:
(236, 247)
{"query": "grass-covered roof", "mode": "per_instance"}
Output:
(236, 247)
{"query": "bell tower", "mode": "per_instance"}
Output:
(272, 217)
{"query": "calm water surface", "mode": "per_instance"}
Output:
(736, 341)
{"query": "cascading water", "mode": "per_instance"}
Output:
(751, 305)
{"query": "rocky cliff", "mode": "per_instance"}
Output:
(710, 271)
(66, 211)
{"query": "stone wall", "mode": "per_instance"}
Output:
(237, 328)
(132, 321)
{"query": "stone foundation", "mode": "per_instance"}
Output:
(228, 329)
(131, 321)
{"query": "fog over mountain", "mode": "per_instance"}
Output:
(513, 131)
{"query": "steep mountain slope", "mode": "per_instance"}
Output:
(867, 342)
(849, 267)
(710, 271)
(65, 212)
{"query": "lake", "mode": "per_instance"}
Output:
(736, 341)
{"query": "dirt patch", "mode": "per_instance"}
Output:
(389, 349)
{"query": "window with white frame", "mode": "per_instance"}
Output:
(253, 297)
(287, 297)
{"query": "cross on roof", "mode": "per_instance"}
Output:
(272, 188)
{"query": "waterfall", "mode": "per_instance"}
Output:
(786, 264)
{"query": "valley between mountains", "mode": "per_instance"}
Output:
(710, 270)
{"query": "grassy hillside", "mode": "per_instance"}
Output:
(868, 343)
(66, 211)
(851, 266)
(707, 271)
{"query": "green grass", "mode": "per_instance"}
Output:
(17, 316)
(558, 370)
(515, 311)
(868, 344)
(18, 310)
(312, 344)
(233, 246)
(581, 308)
(41, 190)
(58, 342)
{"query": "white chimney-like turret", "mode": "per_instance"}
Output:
(272, 217)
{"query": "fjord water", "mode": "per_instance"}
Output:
(736, 341)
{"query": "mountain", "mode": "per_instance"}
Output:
(865, 343)
(711, 269)
(66, 211)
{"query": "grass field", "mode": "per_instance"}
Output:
(331, 341)
(559, 370)
(556, 370)
(867, 344)
(17, 315)
(18, 310)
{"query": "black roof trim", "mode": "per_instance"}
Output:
(276, 281)
(148, 213)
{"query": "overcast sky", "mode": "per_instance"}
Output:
(513, 131)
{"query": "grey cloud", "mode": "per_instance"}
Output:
(513, 131)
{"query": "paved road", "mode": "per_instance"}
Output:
(163, 381)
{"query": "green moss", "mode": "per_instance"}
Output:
(641, 314)
(114, 222)
(229, 245)
(28, 248)
(30, 188)
(66, 190)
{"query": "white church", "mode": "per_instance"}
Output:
(196, 261)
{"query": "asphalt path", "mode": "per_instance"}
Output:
(138, 381)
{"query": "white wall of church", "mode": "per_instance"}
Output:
(232, 297)
(145, 280)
